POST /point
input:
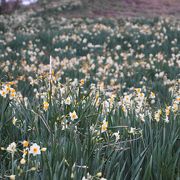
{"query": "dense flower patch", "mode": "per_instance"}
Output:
(89, 99)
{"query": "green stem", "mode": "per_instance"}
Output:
(12, 156)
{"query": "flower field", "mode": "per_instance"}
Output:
(89, 99)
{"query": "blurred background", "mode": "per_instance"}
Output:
(94, 8)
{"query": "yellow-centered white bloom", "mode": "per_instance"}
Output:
(12, 90)
(35, 149)
(3, 93)
(7, 88)
(138, 90)
(12, 95)
(73, 115)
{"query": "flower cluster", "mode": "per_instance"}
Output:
(28, 149)
(7, 90)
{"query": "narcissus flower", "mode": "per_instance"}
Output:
(12, 90)
(12, 177)
(12, 95)
(45, 105)
(138, 90)
(25, 143)
(82, 82)
(3, 93)
(167, 119)
(132, 131)
(104, 126)
(152, 95)
(175, 107)
(25, 151)
(22, 161)
(35, 149)
(68, 101)
(43, 149)
(157, 115)
(7, 88)
(11, 148)
(168, 110)
(73, 115)
(178, 99)
(99, 174)
(117, 136)
(14, 120)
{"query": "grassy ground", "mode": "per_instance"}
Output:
(104, 106)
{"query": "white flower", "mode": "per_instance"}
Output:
(152, 95)
(11, 148)
(104, 126)
(22, 161)
(64, 125)
(99, 174)
(157, 115)
(141, 116)
(68, 101)
(84, 178)
(167, 119)
(152, 101)
(117, 136)
(3, 93)
(12, 177)
(14, 120)
(106, 106)
(89, 177)
(43, 149)
(35, 149)
(73, 115)
(132, 130)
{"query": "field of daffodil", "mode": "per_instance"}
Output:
(90, 99)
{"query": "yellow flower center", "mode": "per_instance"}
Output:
(12, 94)
(35, 150)
(12, 90)
(7, 88)
(73, 116)
(25, 143)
